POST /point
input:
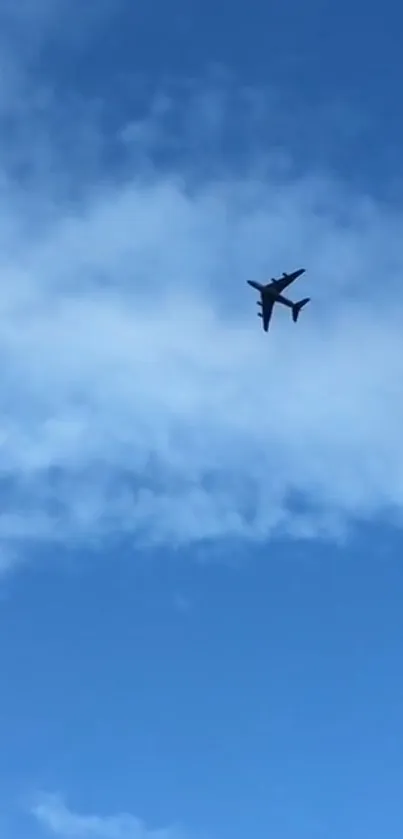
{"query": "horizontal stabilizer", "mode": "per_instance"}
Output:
(298, 306)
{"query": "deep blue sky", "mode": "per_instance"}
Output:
(333, 70)
(260, 699)
(250, 699)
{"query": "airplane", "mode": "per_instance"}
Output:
(272, 293)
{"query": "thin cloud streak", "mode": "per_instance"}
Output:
(58, 820)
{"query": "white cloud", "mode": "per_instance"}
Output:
(134, 366)
(139, 394)
(53, 815)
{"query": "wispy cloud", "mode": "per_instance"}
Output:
(54, 816)
(139, 394)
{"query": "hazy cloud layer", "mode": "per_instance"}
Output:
(139, 394)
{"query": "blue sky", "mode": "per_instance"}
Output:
(201, 579)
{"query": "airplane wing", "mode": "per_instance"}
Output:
(287, 279)
(267, 310)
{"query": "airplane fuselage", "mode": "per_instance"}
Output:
(279, 298)
(271, 292)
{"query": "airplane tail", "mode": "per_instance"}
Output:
(298, 306)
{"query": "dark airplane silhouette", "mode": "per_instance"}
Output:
(272, 293)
